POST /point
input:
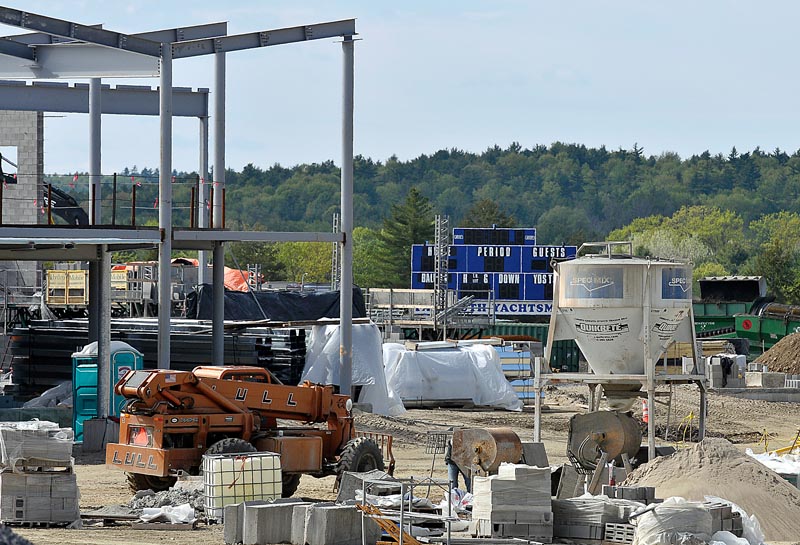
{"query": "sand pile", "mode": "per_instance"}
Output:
(784, 357)
(714, 467)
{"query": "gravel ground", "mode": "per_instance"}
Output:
(740, 421)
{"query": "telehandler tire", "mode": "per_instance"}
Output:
(138, 481)
(290, 483)
(230, 445)
(359, 455)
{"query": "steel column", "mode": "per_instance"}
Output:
(346, 284)
(218, 312)
(104, 341)
(95, 110)
(202, 213)
(95, 138)
(165, 208)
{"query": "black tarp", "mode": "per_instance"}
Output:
(278, 306)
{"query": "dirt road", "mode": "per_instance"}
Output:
(741, 421)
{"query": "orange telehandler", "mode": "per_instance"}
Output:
(172, 418)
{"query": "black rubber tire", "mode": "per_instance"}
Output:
(138, 481)
(359, 455)
(230, 445)
(290, 483)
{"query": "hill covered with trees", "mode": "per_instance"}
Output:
(730, 213)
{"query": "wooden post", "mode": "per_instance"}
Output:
(133, 206)
(114, 201)
(191, 209)
(211, 208)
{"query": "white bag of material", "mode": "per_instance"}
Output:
(177, 514)
(752, 528)
(675, 521)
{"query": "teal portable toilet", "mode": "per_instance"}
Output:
(124, 358)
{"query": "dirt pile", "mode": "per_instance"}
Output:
(784, 357)
(714, 467)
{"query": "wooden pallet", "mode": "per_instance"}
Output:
(35, 524)
(164, 526)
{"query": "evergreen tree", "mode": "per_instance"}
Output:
(411, 222)
(485, 213)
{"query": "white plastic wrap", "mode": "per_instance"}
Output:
(751, 528)
(672, 522)
(35, 441)
(727, 538)
(470, 372)
(176, 514)
(786, 464)
(322, 365)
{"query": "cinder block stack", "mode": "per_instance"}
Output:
(514, 503)
(37, 478)
(643, 494)
(724, 519)
(586, 518)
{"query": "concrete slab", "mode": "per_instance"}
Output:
(765, 380)
(352, 481)
(534, 454)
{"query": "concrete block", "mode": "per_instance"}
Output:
(299, 517)
(765, 380)
(534, 454)
(338, 525)
(233, 517)
(352, 481)
(267, 524)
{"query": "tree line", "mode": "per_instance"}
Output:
(729, 213)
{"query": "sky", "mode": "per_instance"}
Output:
(679, 76)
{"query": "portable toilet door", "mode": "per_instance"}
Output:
(123, 358)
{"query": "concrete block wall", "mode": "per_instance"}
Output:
(25, 131)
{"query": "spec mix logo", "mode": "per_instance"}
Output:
(676, 283)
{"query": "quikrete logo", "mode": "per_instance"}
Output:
(602, 328)
(665, 327)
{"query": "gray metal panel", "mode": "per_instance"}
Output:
(252, 40)
(123, 99)
(68, 29)
(85, 61)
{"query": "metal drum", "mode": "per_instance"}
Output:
(485, 449)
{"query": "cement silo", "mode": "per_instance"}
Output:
(623, 313)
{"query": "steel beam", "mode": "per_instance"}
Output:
(75, 31)
(179, 34)
(188, 239)
(15, 49)
(264, 38)
(121, 100)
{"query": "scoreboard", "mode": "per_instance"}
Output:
(505, 262)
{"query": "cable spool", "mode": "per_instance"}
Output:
(645, 412)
